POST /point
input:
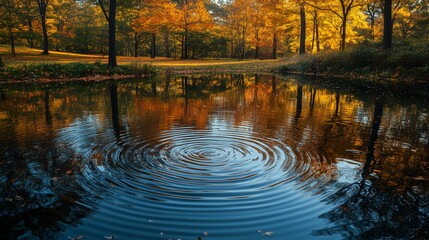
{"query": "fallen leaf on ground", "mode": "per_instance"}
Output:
(80, 237)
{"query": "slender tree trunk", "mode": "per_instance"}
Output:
(12, 42)
(30, 30)
(112, 34)
(43, 5)
(388, 26)
(343, 34)
(275, 45)
(186, 45)
(153, 46)
(136, 44)
(257, 49)
(313, 39)
(232, 50)
(257, 44)
(303, 27)
(167, 45)
(317, 35)
(242, 49)
(45, 34)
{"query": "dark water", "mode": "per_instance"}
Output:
(225, 157)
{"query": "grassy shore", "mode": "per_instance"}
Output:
(29, 64)
(404, 64)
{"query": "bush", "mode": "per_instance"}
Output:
(402, 62)
(71, 70)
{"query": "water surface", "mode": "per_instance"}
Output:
(220, 157)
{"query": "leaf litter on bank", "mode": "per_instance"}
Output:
(80, 237)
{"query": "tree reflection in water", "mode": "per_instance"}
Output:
(375, 207)
(45, 189)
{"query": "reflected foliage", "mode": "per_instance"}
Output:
(63, 151)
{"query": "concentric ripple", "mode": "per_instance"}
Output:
(218, 163)
(227, 180)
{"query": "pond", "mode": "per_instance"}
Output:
(222, 157)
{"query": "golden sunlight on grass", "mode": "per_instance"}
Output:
(27, 55)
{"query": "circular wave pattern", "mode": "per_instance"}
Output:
(183, 182)
(206, 164)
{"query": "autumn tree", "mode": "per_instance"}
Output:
(153, 18)
(28, 14)
(388, 26)
(373, 11)
(315, 40)
(191, 16)
(65, 15)
(342, 9)
(110, 15)
(10, 21)
(276, 20)
(43, 6)
(239, 19)
(257, 22)
(303, 26)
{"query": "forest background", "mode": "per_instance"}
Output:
(185, 29)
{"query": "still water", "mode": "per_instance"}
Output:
(224, 157)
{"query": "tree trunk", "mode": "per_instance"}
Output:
(153, 46)
(185, 45)
(343, 34)
(136, 44)
(167, 45)
(45, 31)
(12, 42)
(317, 35)
(43, 4)
(257, 51)
(303, 27)
(388, 26)
(112, 34)
(275, 45)
(232, 50)
(313, 39)
(30, 30)
(257, 44)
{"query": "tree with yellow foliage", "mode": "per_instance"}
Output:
(191, 16)
(239, 25)
(343, 9)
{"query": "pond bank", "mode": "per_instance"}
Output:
(367, 66)
(22, 72)
(55, 72)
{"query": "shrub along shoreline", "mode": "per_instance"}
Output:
(405, 65)
(20, 73)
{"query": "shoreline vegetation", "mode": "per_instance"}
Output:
(365, 67)
(403, 64)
